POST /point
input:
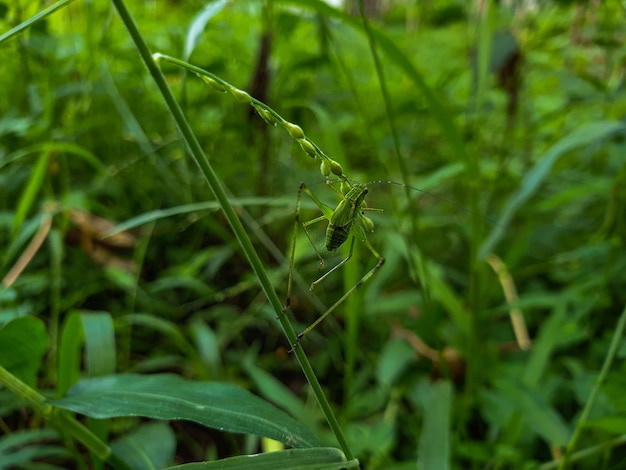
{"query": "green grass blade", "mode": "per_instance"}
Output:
(99, 343)
(199, 23)
(35, 182)
(434, 442)
(584, 417)
(72, 336)
(530, 184)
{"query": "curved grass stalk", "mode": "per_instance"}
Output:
(328, 165)
(31, 21)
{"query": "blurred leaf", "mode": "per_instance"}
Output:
(166, 327)
(276, 392)
(374, 437)
(536, 412)
(207, 345)
(29, 194)
(23, 342)
(217, 405)
(556, 330)
(158, 214)
(448, 298)
(99, 343)
(55, 148)
(199, 23)
(434, 440)
(612, 423)
(584, 135)
(72, 336)
(150, 446)
(26, 233)
(394, 359)
(22, 448)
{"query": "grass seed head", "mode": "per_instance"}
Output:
(294, 131)
(308, 147)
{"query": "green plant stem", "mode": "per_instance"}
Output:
(608, 360)
(267, 114)
(244, 241)
(61, 419)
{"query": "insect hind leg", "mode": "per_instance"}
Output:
(366, 277)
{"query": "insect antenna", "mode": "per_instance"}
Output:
(461, 207)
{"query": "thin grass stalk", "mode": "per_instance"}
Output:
(588, 452)
(61, 419)
(215, 185)
(422, 275)
(31, 21)
(421, 271)
(584, 417)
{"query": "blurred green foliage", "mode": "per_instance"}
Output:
(422, 364)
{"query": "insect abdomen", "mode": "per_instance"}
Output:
(335, 236)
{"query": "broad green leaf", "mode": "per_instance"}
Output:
(150, 446)
(23, 342)
(322, 458)
(217, 405)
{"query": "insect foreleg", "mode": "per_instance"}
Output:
(327, 212)
(308, 235)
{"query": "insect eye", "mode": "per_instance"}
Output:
(365, 190)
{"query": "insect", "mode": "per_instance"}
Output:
(347, 220)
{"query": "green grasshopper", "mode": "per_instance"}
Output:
(348, 218)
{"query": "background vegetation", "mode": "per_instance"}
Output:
(485, 341)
